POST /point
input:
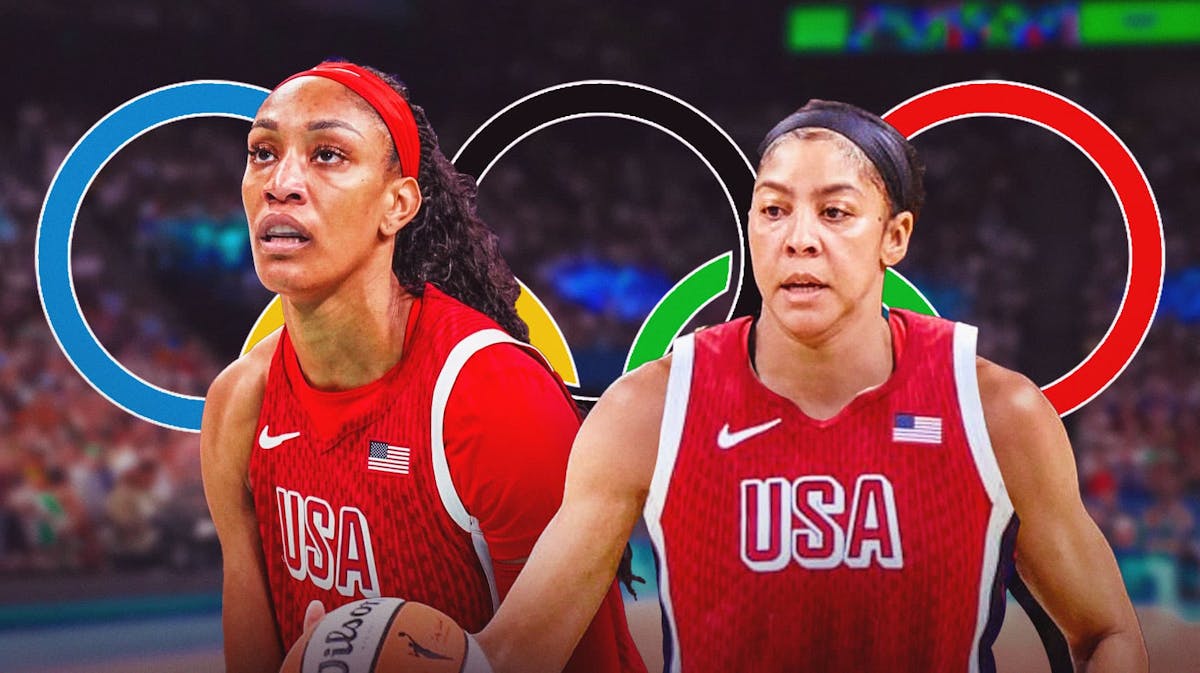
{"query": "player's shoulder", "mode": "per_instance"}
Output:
(1022, 424)
(506, 379)
(645, 383)
(507, 357)
(637, 399)
(240, 387)
(231, 414)
(1007, 395)
(646, 386)
(509, 366)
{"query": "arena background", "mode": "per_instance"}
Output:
(107, 557)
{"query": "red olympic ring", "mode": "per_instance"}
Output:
(1143, 224)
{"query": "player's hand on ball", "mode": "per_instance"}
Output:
(313, 615)
(383, 635)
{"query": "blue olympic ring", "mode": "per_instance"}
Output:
(56, 225)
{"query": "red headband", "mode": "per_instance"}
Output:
(389, 104)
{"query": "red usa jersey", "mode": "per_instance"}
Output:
(875, 540)
(352, 489)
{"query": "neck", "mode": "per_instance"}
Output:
(353, 336)
(821, 375)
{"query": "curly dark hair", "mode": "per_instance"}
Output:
(447, 243)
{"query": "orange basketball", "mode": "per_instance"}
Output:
(389, 635)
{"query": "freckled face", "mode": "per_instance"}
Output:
(820, 235)
(316, 187)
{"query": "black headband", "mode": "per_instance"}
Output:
(885, 150)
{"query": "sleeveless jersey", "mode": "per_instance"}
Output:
(875, 540)
(352, 490)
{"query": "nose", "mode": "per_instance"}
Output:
(286, 183)
(803, 238)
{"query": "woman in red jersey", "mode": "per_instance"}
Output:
(397, 437)
(826, 489)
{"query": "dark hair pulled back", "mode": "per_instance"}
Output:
(447, 243)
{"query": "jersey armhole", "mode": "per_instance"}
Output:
(970, 405)
(1000, 538)
(679, 386)
(451, 501)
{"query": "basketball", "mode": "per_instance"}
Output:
(390, 635)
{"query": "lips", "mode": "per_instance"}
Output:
(802, 283)
(281, 234)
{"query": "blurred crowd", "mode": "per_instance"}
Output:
(85, 486)
(161, 252)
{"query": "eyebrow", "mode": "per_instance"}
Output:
(771, 184)
(838, 187)
(322, 124)
(822, 191)
(318, 125)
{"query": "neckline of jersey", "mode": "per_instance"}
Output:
(901, 357)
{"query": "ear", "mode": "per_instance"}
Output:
(404, 196)
(896, 233)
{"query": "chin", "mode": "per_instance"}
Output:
(804, 323)
(282, 281)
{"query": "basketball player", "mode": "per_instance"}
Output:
(826, 489)
(396, 437)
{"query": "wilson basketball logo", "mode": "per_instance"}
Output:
(332, 552)
(809, 520)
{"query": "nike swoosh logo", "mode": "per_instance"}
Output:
(728, 440)
(267, 441)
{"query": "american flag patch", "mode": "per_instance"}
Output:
(384, 457)
(918, 429)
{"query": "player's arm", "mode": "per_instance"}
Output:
(1061, 554)
(574, 562)
(226, 439)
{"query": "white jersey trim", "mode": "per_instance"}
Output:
(453, 504)
(679, 386)
(971, 407)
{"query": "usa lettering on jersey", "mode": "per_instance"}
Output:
(331, 551)
(807, 520)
